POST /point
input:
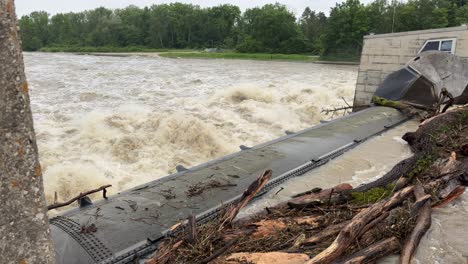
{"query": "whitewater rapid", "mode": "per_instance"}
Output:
(129, 120)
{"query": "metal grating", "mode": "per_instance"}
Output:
(95, 248)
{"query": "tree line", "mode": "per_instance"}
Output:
(271, 28)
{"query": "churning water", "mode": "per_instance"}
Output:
(129, 120)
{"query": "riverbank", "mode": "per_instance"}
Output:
(198, 54)
(131, 49)
(243, 56)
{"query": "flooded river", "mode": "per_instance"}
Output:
(129, 120)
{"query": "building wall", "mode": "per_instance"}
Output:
(386, 53)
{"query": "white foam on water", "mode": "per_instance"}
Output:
(127, 121)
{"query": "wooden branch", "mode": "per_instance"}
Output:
(350, 232)
(81, 195)
(374, 222)
(324, 196)
(314, 190)
(329, 231)
(374, 252)
(220, 251)
(416, 207)
(457, 192)
(423, 223)
(192, 226)
(248, 195)
(335, 109)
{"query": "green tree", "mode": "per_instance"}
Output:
(347, 24)
(134, 25)
(313, 26)
(219, 25)
(271, 27)
(35, 30)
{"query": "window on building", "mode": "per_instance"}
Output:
(447, 45)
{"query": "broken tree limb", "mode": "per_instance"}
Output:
(329, 231)
(350, 232)
(374, 222)
(457, 192)
(81, 195)
(248, 195)
(423, 223)
(420, 202)
(373, 252)
(312, 199)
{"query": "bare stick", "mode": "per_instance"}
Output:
(335, 109)
(346, 102)
(374, 223)
(57, 205)
(329, 231)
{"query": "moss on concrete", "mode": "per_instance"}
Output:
(384, 102)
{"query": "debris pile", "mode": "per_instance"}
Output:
(342, 224)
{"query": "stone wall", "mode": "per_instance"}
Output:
(386, 53)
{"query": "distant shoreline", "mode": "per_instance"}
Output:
(198, 54)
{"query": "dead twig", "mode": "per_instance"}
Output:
(81, 195)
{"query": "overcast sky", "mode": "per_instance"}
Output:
(24, 7)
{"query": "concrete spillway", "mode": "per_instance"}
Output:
(129, 225)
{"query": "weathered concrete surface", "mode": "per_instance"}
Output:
(24, 227)
(385, 53)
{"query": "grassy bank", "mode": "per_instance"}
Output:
(235, 55)
(191, 53)
(332, 58)
(105, 49)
